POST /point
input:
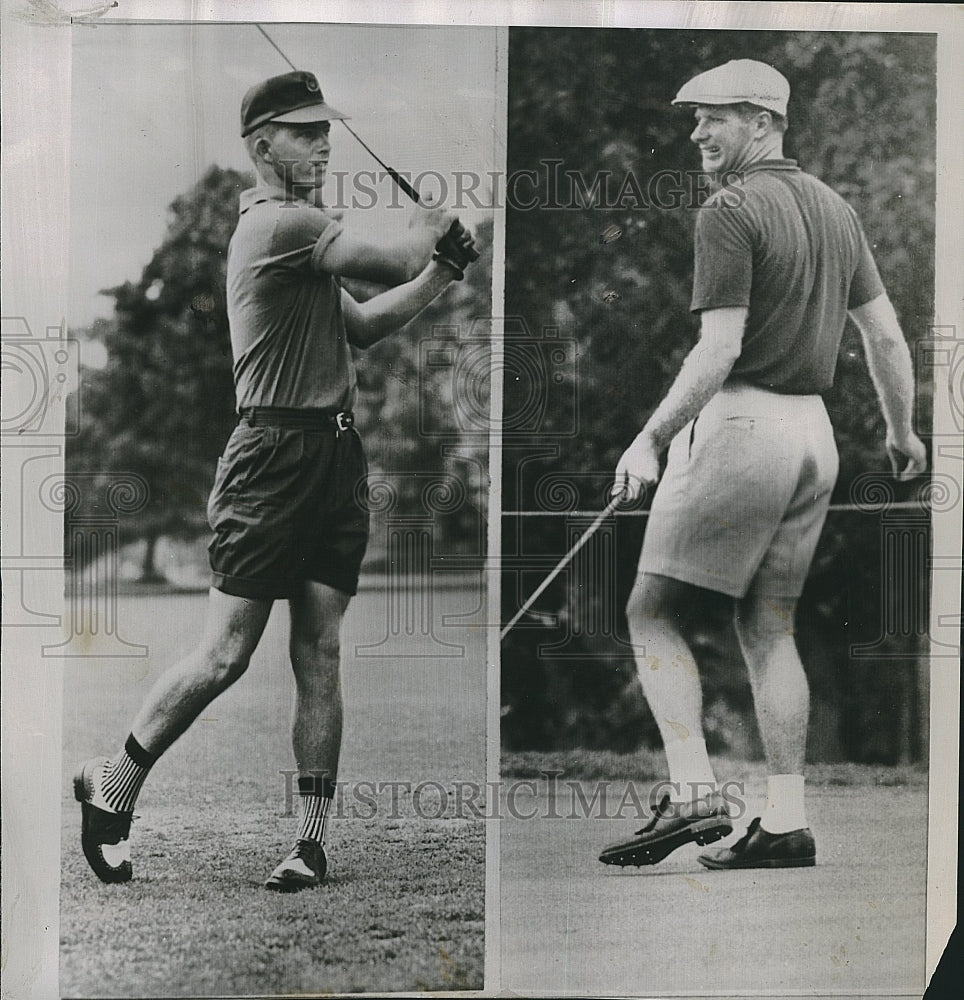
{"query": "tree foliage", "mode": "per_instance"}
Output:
(162, 407)
(420, 437)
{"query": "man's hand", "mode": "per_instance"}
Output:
(888, 359)
(907, 454)
(638, 468)
(456, 249)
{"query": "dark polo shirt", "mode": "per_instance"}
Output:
(793, 252)
(287, 331)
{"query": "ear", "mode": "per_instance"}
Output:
(764, 122)
(262, 149)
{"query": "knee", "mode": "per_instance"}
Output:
(224, 666)
(638, 610)
(648, 605)
(319, 645)
(765, 624)
(316, 653)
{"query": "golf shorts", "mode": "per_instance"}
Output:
(289, 504)
(745, 494)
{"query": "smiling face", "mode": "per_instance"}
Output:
(727, 138)
(298, 155)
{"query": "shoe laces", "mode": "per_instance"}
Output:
(658, 813)
(307, 851)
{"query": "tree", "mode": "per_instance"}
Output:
(163, 405)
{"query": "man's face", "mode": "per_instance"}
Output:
(300, 155)
(725, 138)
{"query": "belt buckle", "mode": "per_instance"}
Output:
(344, 421)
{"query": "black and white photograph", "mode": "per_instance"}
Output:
(716, 522)
(481, 498)
(274, 527)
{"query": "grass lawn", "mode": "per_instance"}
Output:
(854, 925)
(403, 907)
(650, 765)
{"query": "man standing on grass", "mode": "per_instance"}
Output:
(287, 509)
(752, 459)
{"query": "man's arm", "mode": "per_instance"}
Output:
(888, 360)
(703, 373)
(390, 263)
(368, 322)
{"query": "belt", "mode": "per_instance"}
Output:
(303, 420)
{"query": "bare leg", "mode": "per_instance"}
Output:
(667, 671)
(658, 612)
(232, 631)
(108, 789)
(765, 628)
(316, 617)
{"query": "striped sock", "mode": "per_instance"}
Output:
(316, 798)
(123, 776)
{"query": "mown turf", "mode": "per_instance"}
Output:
(401, 909)
(650, 765)
(403, 906)
(853, 925)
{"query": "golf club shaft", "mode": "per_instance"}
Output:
(394, 174)
(276, 47)
(561, 565)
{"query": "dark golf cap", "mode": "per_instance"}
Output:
(292, 97)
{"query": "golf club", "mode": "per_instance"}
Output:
(564, 561)
(394, 174)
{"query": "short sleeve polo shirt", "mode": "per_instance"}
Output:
(792, 251)
(287, 330)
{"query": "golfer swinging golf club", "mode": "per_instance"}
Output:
(752, 459)
(287, 508)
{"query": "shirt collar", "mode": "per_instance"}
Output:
(771, 165)
(263, 192)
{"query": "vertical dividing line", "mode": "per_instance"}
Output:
(942, 672)
(493, 582)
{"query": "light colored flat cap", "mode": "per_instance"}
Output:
(735, 82)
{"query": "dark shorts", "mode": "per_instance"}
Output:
(288, 505)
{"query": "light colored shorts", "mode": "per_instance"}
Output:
(745, 494)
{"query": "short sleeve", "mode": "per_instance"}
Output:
(301, 234)
(723, 258)
(866, 284)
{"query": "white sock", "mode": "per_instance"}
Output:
(690, 771)
(784, 809)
